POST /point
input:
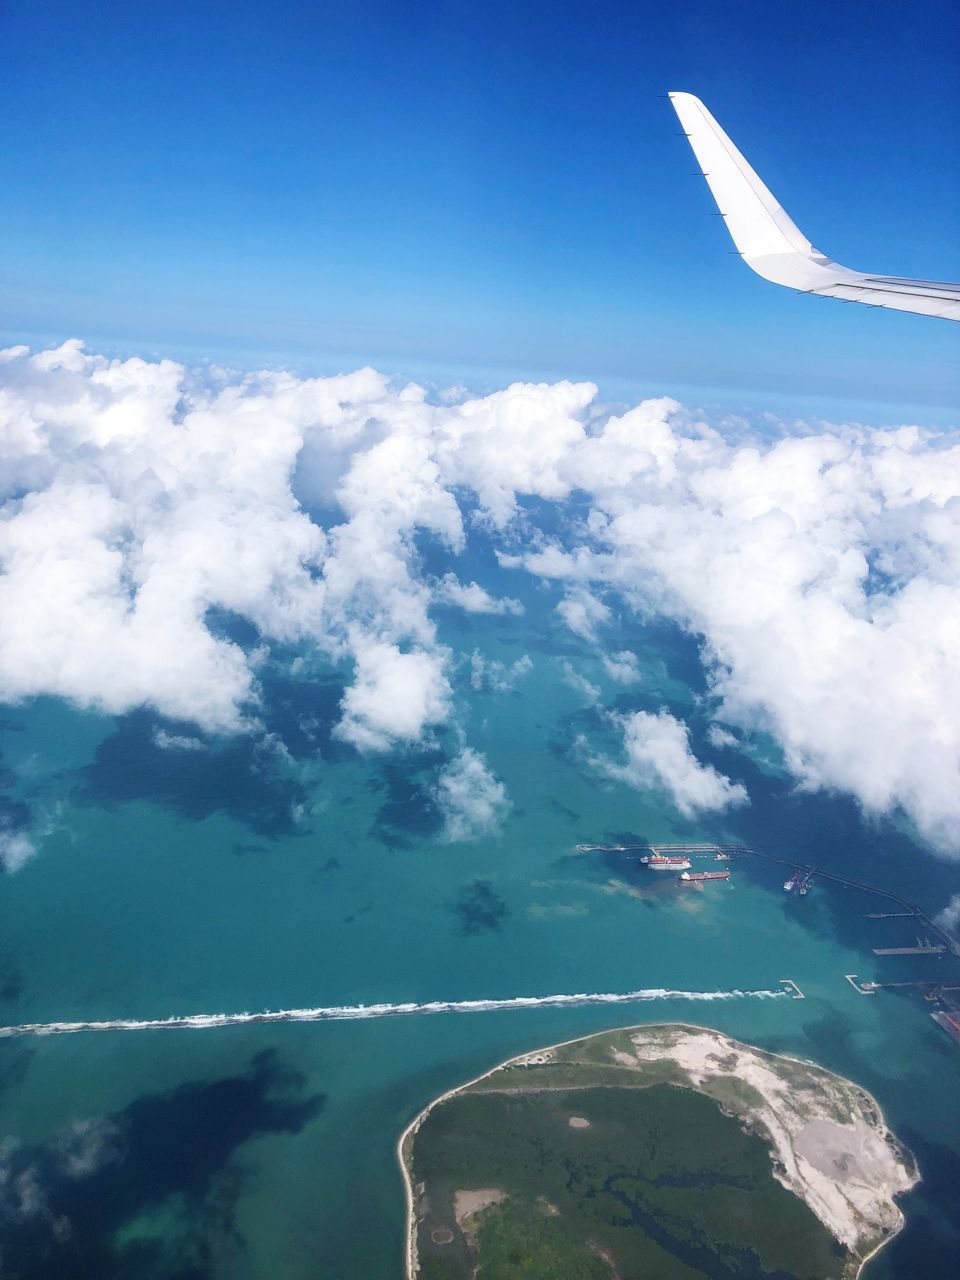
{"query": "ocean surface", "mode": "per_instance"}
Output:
(286, 871)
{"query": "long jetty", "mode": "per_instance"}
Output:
(907, 908)
(950, 943)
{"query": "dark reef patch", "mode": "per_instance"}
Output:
(565, 811)
(63, 1203)
(11, 978)
(479, 909)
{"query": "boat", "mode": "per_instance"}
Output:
(791, 884)
(667, 862)
(721, 856)
(696, 876)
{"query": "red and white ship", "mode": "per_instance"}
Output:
(667, 862)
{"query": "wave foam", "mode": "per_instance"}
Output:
(347, 1012)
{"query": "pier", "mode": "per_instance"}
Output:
(861, 988)
(698, 849)
(922, 949)
(947, 942)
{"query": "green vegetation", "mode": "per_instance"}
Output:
(646, 1181)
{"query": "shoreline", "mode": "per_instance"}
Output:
(411, 1258)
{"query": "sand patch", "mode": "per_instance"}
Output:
(848, 1173)
(467, 1203)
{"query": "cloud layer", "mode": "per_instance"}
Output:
(144, 507)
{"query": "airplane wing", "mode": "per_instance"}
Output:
(775, 247)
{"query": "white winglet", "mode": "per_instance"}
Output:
(775, 247)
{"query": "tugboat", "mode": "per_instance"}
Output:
(791, 884)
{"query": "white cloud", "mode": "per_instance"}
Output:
(622, 667)
(949, 917)
(493, 676)
(717, 736)
(176, 741)
(579, 682)
(819, 571)
(473, 598)
(658, 755)
(583, 613)
(15, 849)
(395, 695)
(473, 802)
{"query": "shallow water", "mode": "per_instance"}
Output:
(241, 878)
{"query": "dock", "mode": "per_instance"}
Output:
(933, 989)
(861, 988)
(722, 852)
(948, 941)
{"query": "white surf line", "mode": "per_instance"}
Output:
(348, 1012)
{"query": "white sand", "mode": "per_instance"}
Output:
(466, 1203)
(847, 1172)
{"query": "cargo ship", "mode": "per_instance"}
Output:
(667, 862)
(692, 877)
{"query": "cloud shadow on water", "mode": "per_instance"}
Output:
(409, 812)
(304, 713)
(175, 1147)
(225, 776)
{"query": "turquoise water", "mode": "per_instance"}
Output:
(244, 877)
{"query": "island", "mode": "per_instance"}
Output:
(668, 1150)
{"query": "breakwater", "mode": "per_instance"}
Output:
(349, 1012)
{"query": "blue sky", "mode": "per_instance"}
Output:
(468, 192)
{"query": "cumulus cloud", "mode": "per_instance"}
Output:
(658, 755)
(16, 848)
(176, 741)
(473, 802)
(579, 682)
(490, 675)
(719, 737)
(949, 917)
(583, 613)
(473, 598)
(395, 695)
(622, 667)
(819, 571)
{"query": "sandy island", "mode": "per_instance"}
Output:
(827, 1137)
